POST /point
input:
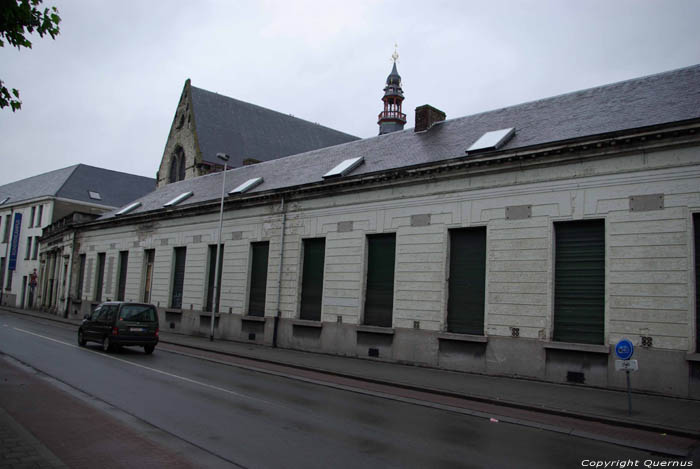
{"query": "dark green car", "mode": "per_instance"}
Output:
(114, 324)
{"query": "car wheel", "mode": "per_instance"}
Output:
(81, 338)
(149, 349)
(106, 344)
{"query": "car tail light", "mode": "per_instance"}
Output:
(157, 332)
(115, 330)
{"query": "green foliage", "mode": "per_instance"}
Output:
(19, 19)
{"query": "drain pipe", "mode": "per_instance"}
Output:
(279, 278)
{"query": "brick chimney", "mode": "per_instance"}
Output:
(426, 116)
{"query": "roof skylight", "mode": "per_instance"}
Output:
(492, 140)
(246, 186)
(94, 195)
(4, 201)
(128, 208)
(178, 199)
(346, 167)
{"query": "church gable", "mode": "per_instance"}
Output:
(181, 154)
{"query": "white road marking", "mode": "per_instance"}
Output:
(155, 370)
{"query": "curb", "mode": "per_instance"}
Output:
(412, 387)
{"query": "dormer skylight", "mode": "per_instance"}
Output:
(178, 199)
(344, 168)
(94, 195)
(492, 140)
(246, 186)
(128, 208)
(4, 201)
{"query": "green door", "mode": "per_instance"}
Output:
(579, 282)
(258, 279)
(467, 285)
(379, 297)
(312, 279)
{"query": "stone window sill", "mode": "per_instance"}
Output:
(463, 337)
(306, 323)
(590, 348)
(253, 318)
(693, 357)
(376, 330)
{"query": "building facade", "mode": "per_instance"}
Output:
(30, 205)
(524, 241)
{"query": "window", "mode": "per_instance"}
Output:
(35, 251)
(148, 262)
(179, 255)
(246, 186)
(81, 275)
(94, 195)
(138, 313)
(121, 281)
(345, 167)
(172, 177)
(696, 226)
(467, 282)
(100, 274)
(178, 199)
(579, 281)
(312, 279)
(258, 278)
(128, 208)
(2, 271)
(32, 216)
(28, 250)
(211, 305)
(39, 216)
(379, 294)
(6, 234)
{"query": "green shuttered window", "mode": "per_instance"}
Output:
(121, 282)
(100, 276)
(210, 306)
(312, 279)
(467, 285)
(178, 277)
(696, 226)
(579, 282)
(258, 278)
(379, 297)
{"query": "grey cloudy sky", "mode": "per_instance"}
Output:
(105, 91)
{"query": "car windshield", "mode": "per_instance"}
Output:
(140, 313)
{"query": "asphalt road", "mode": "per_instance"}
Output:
(257, 420)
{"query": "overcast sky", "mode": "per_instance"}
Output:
(105, 91)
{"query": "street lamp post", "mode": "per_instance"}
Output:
(215, 307)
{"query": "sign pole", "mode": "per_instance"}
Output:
(629, 394)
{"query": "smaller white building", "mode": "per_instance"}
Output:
(29, 205)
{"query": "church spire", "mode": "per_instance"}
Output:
(391, 118)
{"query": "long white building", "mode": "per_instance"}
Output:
(525, 241)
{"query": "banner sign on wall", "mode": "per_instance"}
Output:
(14, 246)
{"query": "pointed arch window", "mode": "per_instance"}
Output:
(181, 165)
(177, 165)
(172, 177)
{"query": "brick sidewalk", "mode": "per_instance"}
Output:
(19, 449)
(43, 426)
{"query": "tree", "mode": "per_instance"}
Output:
(19, 19)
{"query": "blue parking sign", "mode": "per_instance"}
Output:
(624, 349)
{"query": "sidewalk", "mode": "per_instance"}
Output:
(649, 412)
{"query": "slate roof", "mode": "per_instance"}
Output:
(244, 130)
(75, 182)
(653, 100)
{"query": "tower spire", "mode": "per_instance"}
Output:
(391, 118)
